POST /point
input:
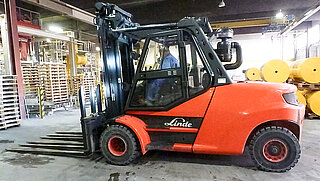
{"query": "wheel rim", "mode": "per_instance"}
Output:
(117, 146)
(275, 150)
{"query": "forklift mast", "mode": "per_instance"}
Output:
(118, 69)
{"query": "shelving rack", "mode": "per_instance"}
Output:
(53, 51)
(87, 48)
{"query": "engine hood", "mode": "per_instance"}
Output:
(270, 86)
(257, 93)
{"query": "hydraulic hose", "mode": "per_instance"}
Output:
(238, 62)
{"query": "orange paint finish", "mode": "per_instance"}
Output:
(236, 109)
(182, 147)
(185, 130)
(139, 128)
(195, 107)
(175, 129)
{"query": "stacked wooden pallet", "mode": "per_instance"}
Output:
(81, 80)
(9, 104)
(31, 79)
(305, 85)
(54, 77)
(74, 85)
(87, 81)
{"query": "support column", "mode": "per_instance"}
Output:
(14, 50)
(5, 45)
(72, 58)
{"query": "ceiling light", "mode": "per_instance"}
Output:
(98, 49)
(55, 29)
(222, 4)
(279, 15)
(48, 40)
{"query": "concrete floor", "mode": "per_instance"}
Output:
(155, 165)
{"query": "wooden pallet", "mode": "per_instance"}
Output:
(55, 83)
(9, 103)
(10, 116)
(311, 115)
(31, 80)
(305, 85)
(9, 123)
(30, 74)
(82, 80)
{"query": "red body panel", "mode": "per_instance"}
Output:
(236, 109)
(182, 147)
(139, 128)
(229, 116)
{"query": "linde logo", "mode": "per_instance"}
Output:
(179, 122)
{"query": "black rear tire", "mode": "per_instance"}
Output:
(275, 149)
(118, 145)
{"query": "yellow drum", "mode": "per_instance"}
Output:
(275, 71)
(313, 101)
(81, 59)
(301, 98)
(253, 74)
(306, 70)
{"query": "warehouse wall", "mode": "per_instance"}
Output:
(313, 39)
(258, 49)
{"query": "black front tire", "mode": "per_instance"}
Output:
(275, 149)
(131, 151)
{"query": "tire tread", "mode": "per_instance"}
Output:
(136, 150)
(269, 129)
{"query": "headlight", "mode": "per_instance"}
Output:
(291, 98)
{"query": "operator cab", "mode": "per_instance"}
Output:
(171, 70)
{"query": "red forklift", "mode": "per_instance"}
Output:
(180, 98)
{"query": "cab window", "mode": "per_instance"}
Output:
(160, 82)
(162, 53)
(198, 77)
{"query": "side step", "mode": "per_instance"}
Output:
(62, 143)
